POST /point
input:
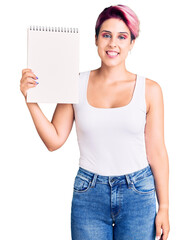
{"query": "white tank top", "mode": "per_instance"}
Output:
(111, 140)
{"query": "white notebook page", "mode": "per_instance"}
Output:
(53, 56)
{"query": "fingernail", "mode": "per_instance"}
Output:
(36, 77)
(157, 237)
(37, 82)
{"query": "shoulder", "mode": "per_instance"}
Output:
(153, 87)
(154, 94)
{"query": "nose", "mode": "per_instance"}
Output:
(112, 42)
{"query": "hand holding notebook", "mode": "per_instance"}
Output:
(53, 56)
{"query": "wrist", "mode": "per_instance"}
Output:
(164, 206)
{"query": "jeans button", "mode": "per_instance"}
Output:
(113, 179)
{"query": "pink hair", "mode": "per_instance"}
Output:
(120, 12)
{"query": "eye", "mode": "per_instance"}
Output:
(122, 37)
(106, 35)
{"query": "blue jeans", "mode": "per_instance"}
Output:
(113, 207)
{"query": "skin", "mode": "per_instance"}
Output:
(108, 87)
(112, 85)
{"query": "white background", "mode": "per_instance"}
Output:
(35, 184)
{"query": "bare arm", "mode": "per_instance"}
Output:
(62, 120)
(155, 144)
(54, 133)
(157, 156)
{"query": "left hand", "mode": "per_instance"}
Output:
(162, 222)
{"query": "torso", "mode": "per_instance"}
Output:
(113, 95)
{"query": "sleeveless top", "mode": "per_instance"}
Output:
(111, 140)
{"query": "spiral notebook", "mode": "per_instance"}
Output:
(53, 56)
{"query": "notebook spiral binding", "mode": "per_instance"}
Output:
(54, 29)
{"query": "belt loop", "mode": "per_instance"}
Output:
(94, 180)
(129, 182)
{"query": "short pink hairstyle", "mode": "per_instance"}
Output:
(120, 12)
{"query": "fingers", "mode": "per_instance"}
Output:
(162, 231)
(165, 233)
(158, 231)
(26, 70)
(28, 80)
(28, 73)
(28, 77)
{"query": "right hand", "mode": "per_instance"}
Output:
(27, 81)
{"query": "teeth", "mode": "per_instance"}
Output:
(112, 53)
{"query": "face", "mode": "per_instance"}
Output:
(114, 42)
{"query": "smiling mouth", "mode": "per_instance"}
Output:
(112, 53)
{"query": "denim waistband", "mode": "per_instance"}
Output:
(130, 178)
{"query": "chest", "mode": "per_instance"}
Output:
(111, 95)
(115, 108)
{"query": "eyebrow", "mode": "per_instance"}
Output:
(110, 32)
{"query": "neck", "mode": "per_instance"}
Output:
(112, 74)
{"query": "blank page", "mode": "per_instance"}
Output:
(53, 56)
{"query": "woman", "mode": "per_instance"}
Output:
(120, 129)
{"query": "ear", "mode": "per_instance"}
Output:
(132, 44)
(96, 39)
